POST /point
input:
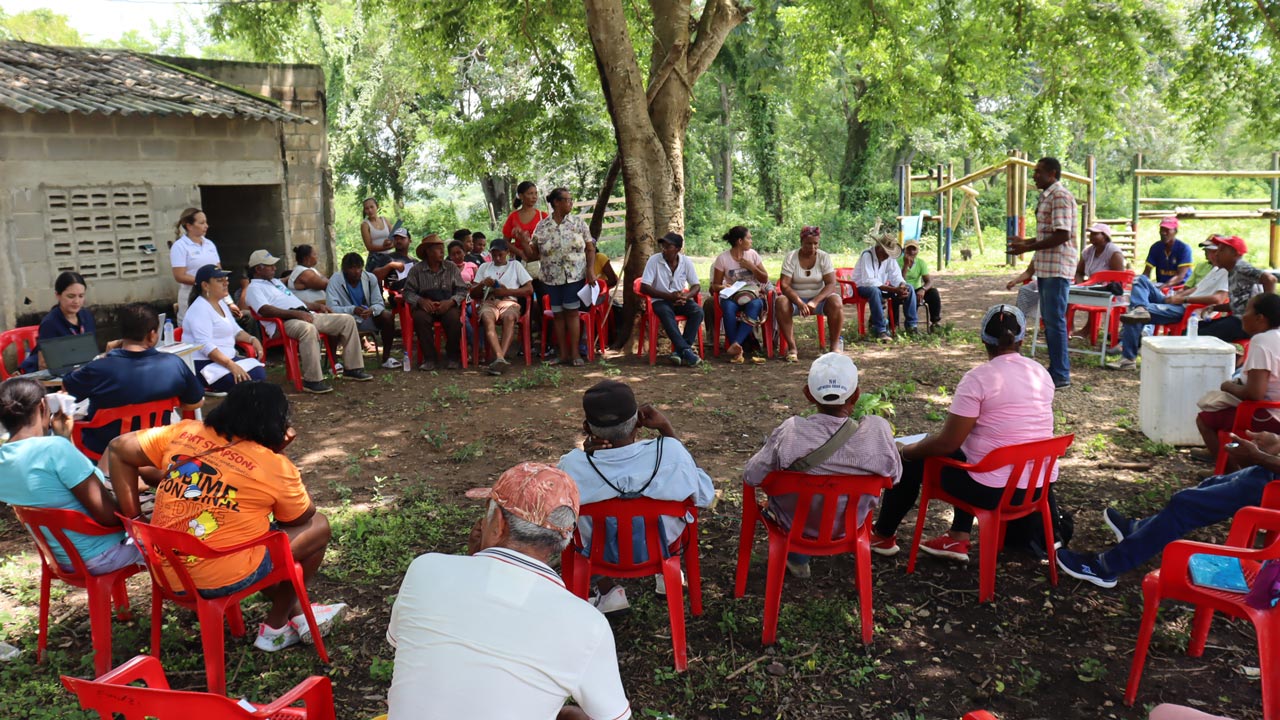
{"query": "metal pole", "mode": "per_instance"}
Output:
(942, 219)
(1275, 205)
(1137, 202)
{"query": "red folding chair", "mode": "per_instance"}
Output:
(127, 419)
(292, 359)
(115, 694)
(523, 326)
(1246, 412)
(766, 320)
(1172, 582)
(579, 568)
(24, 341)
(1102, 277)
(820, 318)
(650, 328)
(836, 535)
(587, 320)
(415, 352)
(849, 296)
(103, 590)
(167, 551)
(1040, 457)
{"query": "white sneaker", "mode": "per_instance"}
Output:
(391, 363)
(660, 583)
(272, 639)
(612, 601)
(326, 617)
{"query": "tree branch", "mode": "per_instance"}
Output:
(719, 17)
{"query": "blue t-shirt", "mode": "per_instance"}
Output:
(40, 472)
(1173, 264)
(357, 294)
(123, 377)
(55, 325)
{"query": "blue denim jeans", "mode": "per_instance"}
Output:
(667, 312)
(734, 331)
(875, 306)
(1212, 501)
(1145, 292)
(1131, 335)
(1053, 311)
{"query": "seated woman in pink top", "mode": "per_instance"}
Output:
(1005, 401)
(458, 256)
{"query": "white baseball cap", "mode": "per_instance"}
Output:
(833, 378)
(262, 257)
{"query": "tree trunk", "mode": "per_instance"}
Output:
(764, 148)
(649, 126)
(726, 147)
(853, 182)
(497, 197)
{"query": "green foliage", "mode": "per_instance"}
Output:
(42, 26)
(539, 376)
(380, 542)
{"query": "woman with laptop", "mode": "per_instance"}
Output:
(68, 317)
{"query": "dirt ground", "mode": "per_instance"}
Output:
(389, 461)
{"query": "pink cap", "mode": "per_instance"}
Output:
(1103, 228)
(1169, 222)
(531, 492)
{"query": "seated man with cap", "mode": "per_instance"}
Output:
(878, 278)
(436, 293)
(1170, 258)
(671, 280)
(500, 286)
(1149, 305)
(615, 462)
(828, 442)
(355, 291)
(392, 269)
(496, 634)
(1243, 282)
(271, 299)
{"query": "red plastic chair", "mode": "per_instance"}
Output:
(837, 535)
(1246, 411)
(766, 320)
(104, 590)
(292, 360)
(166, 551)
(115, 693)
(601, 314)
(129, 418)
(1102, 277)
(578, 568)
(821, 319)
(979, 715)
(24, 341)
(1172, 582)
(587, 320)
(1041, 457)
(650, 329)
(849, 296)
(523, 326)
(1179, 327)
(245, 348)
(406, 333)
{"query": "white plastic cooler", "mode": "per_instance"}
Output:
(1176, 372)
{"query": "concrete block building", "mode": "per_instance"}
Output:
(101, 150)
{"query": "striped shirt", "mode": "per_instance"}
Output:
(1055, 211)
(869, 451)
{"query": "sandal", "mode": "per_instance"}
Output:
(758, 360)
(737, 360)
(579, 362)
(793, 357)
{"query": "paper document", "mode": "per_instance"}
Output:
(910, 439)
(589, 294)
(732, 289)
(402, 274)
(214, 372)
(66, 404)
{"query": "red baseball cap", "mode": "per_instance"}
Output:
(1235, 242)
(531, 492)
(1170, 222)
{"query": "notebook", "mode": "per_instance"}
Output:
(1218, 572)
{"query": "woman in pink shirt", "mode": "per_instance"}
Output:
(1005, 401)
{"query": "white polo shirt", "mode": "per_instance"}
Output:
(497, 635)
(186, 254)
(274, 293)
(659, 275)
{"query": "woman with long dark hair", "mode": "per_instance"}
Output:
(211, 325)
(742, 312)
(521, 223)
(68, 317)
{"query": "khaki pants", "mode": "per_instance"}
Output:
(340, 328)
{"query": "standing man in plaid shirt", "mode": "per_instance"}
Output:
(1054, 261)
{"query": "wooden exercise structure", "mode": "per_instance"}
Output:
(1015, 168)
(1185, 208)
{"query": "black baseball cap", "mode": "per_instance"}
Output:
(673, 238)
(609, 403)
(209, 272)
(499, 244)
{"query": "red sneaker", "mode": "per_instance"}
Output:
(886, 546)
(945, 546)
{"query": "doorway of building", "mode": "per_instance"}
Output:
(244, 218)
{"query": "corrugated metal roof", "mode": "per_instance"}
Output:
(40, 78)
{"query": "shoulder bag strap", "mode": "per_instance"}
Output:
(820, 454)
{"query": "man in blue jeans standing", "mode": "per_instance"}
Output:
(671, 280)
(1212, 501)
(1054, 261)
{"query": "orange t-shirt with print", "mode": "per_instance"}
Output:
(221, 492)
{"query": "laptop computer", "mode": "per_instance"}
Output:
(64, 354)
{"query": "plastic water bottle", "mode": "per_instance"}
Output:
(406, 366)
(167, 338)
(1193, 325)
